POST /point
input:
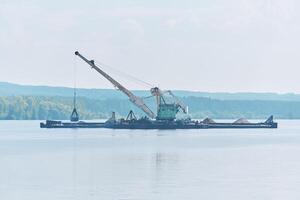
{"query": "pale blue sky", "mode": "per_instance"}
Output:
(208, 45)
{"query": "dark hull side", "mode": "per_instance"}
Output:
(155, 125)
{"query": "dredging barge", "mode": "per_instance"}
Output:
(165, 117)
(145, 123)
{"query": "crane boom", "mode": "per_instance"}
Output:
(181, 104)
(134, 99)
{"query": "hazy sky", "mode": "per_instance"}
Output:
(205, 45)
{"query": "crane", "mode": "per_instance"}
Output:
(167, 111)
(134, 99)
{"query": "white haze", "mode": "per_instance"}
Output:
(211, 45)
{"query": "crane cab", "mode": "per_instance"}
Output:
(167, 112)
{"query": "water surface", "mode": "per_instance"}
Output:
(108, 164)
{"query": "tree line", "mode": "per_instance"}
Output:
(57, 107)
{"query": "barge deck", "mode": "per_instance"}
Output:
(156, 124)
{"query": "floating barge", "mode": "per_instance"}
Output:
(145, 123)
(164, 118)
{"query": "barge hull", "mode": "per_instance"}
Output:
(148, 124)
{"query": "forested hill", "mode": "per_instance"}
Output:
(40, 102)
(36, 107)
(9, 89)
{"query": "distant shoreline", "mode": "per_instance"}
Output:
(19, 102)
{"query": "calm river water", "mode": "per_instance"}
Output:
(107, 164)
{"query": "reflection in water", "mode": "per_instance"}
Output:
(87, 169)
(74, 166)
(164, 158)
(165, 166)
(124, 164)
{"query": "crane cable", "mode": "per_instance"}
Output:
(75, 80)
(75, 74)
(119, 72)
(133, 78)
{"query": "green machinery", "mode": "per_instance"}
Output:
(167, 111)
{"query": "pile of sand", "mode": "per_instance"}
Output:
(241, 121)
(208, 121)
